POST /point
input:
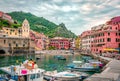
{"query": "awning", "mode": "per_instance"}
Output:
(110, 49)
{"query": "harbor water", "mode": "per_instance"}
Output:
(46, 61)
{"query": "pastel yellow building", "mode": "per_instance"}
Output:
(77, 43)
(18, 32)
(16, 40)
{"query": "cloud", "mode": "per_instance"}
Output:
(78, 15)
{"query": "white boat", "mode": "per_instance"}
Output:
(78, 62)
(83, 67)
(98, 63)
(63, 76)
(20, 73)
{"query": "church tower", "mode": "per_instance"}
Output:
(25, 28)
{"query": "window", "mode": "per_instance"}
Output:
(19, 31)
(108, 39)
(103, 34)
(14, 42)
(23, 45)
(9, 45)
(116, 34)
(38, 75)
(108, 33)
(116, 39)
(110, 27)
(32, 76)
(103, 40)
(16, 45)
(4, 41)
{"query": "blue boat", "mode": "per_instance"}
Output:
(59, 57)
(87, 67)
(86, 58)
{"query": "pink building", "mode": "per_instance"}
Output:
(60, 43)
(6, 17)
(106, 37)
(40, 40)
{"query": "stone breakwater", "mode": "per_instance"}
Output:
(111, 71)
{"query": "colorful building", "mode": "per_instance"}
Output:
(41, 41)
(86, 41)
(16, 40)
(77, 42)
(60, 43)
(6, 17)
(10, 45)
(18, 32)
(106, 37)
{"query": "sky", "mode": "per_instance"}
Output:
(77, 15)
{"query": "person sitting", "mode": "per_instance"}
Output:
(30, 64)
(35, 65)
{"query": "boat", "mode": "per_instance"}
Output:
(79, 66)
(96, 62)
(59, 57)
(22, 73)
(86, 58)
(64, 76)
(77, 62)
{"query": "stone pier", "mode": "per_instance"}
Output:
(111, 71)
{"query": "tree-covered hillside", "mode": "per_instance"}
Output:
(42, 25)
(6, 23)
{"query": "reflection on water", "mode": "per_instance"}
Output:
(50, 63)
(47, 62)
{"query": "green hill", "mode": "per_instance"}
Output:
(6, 23)
(42, 25)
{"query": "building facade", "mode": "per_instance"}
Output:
(6, 17)
(60, 43)
(86, 41)
(106, 37)
(16, 40)
(10, 45)
(41, 41)
(18, 32)
(77, 42)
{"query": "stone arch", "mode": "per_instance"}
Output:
(2, 51)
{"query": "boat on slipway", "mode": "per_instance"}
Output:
(22, 73)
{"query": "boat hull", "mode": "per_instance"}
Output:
(84, 69)
(48, 78)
